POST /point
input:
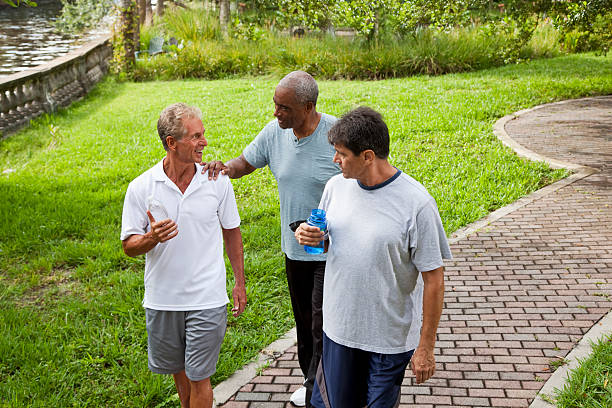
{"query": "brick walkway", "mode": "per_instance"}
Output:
(521, 292)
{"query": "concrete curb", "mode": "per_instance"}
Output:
(580, 352)
(224, 390)
(499, 130)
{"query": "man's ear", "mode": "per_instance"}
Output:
(368, 155)
(171, 142)
(309, 106)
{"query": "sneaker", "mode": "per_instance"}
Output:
(298, 398)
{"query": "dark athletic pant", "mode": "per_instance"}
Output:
(305, 280)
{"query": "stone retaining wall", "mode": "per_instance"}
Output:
(28, 94)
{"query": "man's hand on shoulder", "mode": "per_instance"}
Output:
(214, 168)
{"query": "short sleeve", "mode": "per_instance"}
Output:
(428, 243)
(257, 153)
(324, 203)
(134, 219)
(227, 209)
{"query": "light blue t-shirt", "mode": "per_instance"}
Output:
(301, 169)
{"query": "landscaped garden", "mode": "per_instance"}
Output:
(72, 323)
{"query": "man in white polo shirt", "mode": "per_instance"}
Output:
(179, 219)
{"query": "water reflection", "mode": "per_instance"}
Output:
(27, 38)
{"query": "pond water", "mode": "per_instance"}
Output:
(28, 39)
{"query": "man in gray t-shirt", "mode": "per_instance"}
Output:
(295, 148)
(384, 278)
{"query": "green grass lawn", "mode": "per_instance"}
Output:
(72, 325)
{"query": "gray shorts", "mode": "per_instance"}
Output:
(188, 340)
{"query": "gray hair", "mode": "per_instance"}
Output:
(304, 85)
(171, 121)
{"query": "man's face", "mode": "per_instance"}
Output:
(189, 147)
(352, 165)
(289, 112)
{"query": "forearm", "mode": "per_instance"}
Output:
(433, 302)
(239, 167)
(136, 244)
(235, 253)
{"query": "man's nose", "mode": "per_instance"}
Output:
(276, 113)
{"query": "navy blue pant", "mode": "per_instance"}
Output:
(351, 378)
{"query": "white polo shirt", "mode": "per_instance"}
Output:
(188, 271)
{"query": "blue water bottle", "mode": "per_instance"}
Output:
(317, 219)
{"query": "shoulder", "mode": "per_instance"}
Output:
(268, 136)
(271, 129)
(336, 181)
(143, 180)
(415, 191)
(220, 184)
(328, 120)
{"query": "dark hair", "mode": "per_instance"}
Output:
(361, 129)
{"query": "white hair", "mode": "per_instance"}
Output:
(304, 85)
(171, 121)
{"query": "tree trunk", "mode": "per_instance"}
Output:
(148, 13)
(142, 11)
(224, 15)
(128, 34)
(160, 8)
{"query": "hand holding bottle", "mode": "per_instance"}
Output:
(308, 235)
(312, 232)
(162, 231)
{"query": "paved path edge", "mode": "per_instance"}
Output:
(499, 129)
(226, 389)
(581, 352)
(602, 328)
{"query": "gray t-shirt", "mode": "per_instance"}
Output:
(301, 169)
(381, 239)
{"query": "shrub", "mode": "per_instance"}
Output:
(598, 37)
(258, 52)
(192, 24)
(80, 15)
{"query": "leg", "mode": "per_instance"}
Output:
(341, 378)
(204, 332)
(166, 348)
(201, 394)
(385, 376)
(318, 271)
(300, 282)
(183, 387)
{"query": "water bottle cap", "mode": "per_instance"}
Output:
(318, 213)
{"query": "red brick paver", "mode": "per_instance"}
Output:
(521, 292)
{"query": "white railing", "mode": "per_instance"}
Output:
(28, 94)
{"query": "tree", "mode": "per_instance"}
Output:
(148, 12)
(145, 12)
(126, 36)
(16, 3)
(224, 15)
